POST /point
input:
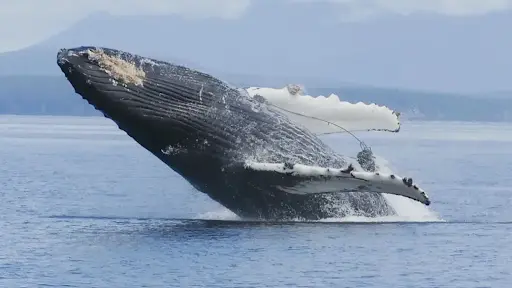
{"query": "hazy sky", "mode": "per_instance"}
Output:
(26, 22)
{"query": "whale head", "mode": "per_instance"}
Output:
(165, 107)
(193, 122)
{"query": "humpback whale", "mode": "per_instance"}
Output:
(226, 142)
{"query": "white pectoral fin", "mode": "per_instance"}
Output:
(303, 179)
(392, 184)
(324, 115)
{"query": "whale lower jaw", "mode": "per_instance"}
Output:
(202, 128)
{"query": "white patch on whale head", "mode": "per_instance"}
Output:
(119, 69)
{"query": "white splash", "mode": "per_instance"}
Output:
(318, 114)
(406, 209)
(222, 214)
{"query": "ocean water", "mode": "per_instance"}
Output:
(82, 205)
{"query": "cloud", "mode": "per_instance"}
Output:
(363, 9)
(26, 22)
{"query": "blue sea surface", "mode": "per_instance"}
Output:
(82, 205)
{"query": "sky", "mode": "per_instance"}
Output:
(27, 22)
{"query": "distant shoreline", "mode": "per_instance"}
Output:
(53, 96)
(100, 117)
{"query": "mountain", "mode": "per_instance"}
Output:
(417, 105)
(276, 43)
(40, 95)
(424, 52)
(53, 95)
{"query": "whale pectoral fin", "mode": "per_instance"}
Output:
(326, 115)
(303, 179)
